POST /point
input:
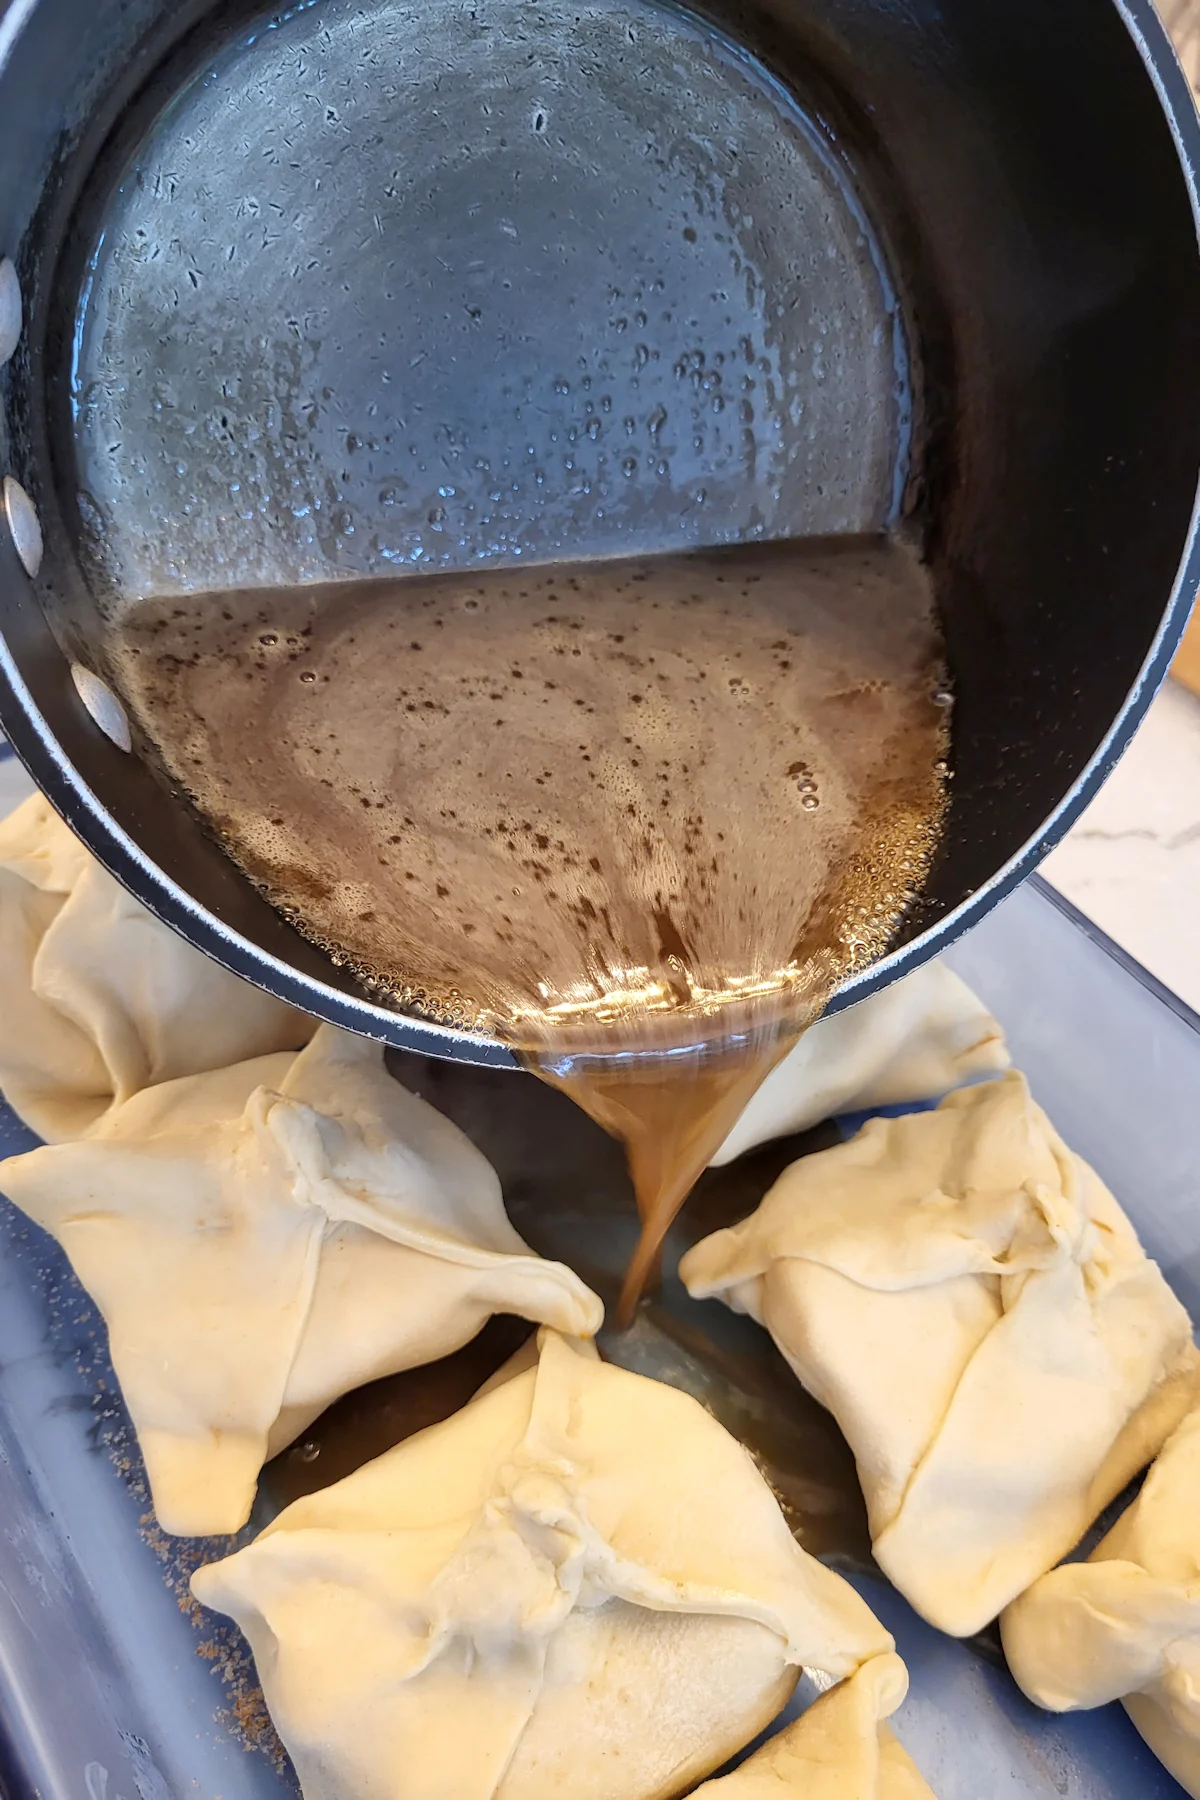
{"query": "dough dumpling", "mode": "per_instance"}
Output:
(974, 1308)
(1126, 1624)
(840, 1749)
(578, 1585)
(916, 1040)
(266, 1237)
(100, 998)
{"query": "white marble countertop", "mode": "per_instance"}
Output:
(14, 783)
(1133, 861)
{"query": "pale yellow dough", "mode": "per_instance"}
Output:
(580, 1584)
(100, 999)
(916, 1040)
(1126, 1624)
(264, 1238)
(840, 1749)
(974, 1308)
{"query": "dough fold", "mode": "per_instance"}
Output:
(916, 1040)
(100, 998)
(264, 1238)
(972, 1305)
(840, 1749)
(578, 1584)
(1125, 1625)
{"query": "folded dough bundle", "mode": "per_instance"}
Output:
(972, 1305)
(1126, 1624)
(264, 1238)
(840, 1749)
(580, 1584)
(100, 998)
(916, 1040)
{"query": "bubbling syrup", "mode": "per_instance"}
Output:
(638, 819)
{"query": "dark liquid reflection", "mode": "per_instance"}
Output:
(568, 1193)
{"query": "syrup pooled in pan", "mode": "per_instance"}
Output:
(566, 1189)
(638, 819)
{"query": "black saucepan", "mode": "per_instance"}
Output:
(277, 284)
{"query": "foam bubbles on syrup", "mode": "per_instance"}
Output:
(523, 801)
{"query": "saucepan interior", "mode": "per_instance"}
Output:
(344, 291)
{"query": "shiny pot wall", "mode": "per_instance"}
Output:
(1027, 177)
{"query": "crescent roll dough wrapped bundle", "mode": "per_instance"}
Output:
(1126, 1624)
(579, 1584)
(840, 1749)
(267, 1237)
(972, 1305)
(100, 998)
(916, 1040)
